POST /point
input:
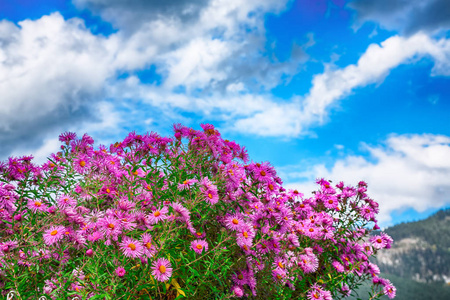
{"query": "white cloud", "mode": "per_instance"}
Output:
(54, 71)
(334, 84)
(407, 171)
(373, 66)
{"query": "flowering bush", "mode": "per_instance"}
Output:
(188, 216)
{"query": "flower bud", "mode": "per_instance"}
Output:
(90, 253)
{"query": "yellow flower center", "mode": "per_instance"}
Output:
(235, 221)
(110, 225)
(185, 182)
(37, 203)
(245, 234)
(82, 163)
(157, 213)
(240, 277)
(199, 233)
(263, 173)
(162, 269)
(280, 265)
(148, 245)
(199, 247)
(54, 232)
(108, 191)
(135, 173)
(209, 196)
(271, 187)
(132, 246)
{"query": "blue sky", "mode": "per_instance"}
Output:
(346, 90)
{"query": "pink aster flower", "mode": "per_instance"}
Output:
(318, 293)
(233, 222)
(139, 173)
(245, 235)
(53, 235)
(36, 205)
(110, 226)
(131, 248)
(199, 245)
(8, 246)
(390, 290)
(378, 242)
(237, 291)
(181, 210)
(308, 263)
(81, 164)
(338, 266)
(162, 269)
(211, 196)
(158, 215)
(149, 248)
(65, 201)
(186, 184)
(120, 271)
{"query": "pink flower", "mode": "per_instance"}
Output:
(233, 222)
(162, 269)
(110, 226)
(81, 164)
(199, 245)
(181, 210)
(36, 205)
(53, 235)
(308, 263)
(378, 242)
(149, 248)
(158, 215)
(211, 196)
(65, 201)
(186, 184)
(138, 173)
(237, 291)
(338, 266)
(120, 271)
(131, 248)
(390, 290)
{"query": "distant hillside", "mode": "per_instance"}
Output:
(418, 263)
(408, 289)
(421, 250)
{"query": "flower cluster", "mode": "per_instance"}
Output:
(152, 215)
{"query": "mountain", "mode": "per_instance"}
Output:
(418, 263)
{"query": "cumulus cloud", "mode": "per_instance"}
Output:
(406, 171)
(408, 17)
(334, 84)
(373, 66)
(51, 70)
(54, 71)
